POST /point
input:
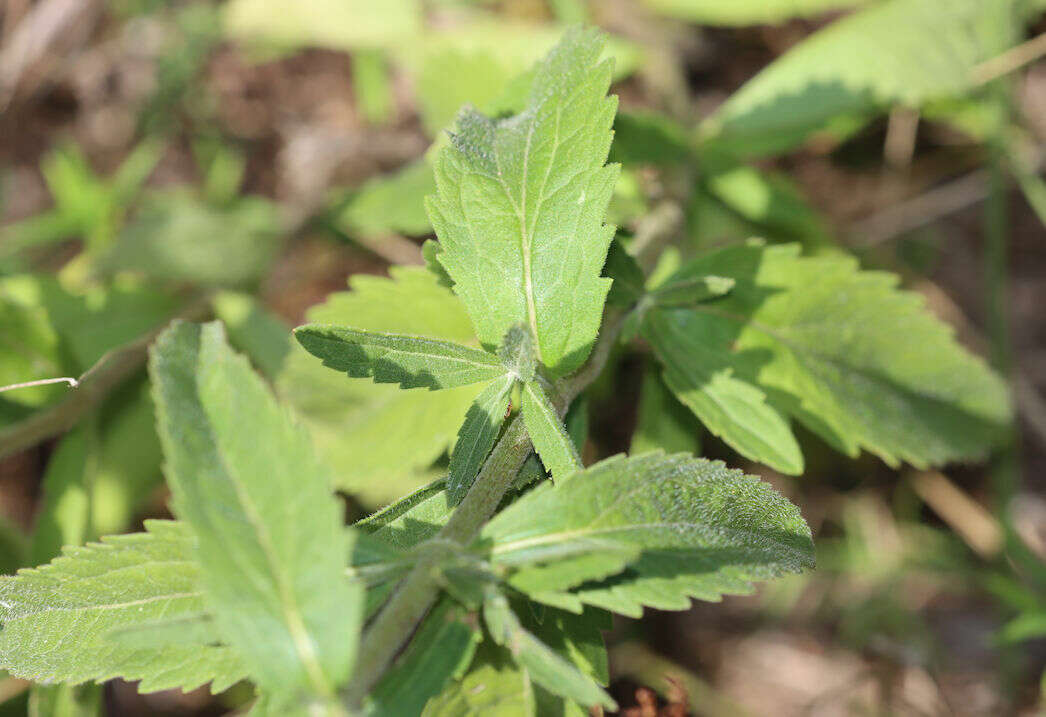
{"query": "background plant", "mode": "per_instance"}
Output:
(733, 338)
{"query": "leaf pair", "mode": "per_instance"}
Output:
(413, 361)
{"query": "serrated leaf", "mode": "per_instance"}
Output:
(57, 618)
(550, 438)
(379, 440)
(895, 52)
(271, 544)
(730, 408)
(440, 651)
(545, 576)
(493, 687)
(410, 361)
(703, 530)
(745, 12)
(846, 353)
(544, 665)
(537, 185)
(477, 436)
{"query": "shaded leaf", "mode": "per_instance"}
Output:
(730, 408)
(477, 436)
(410, 361)
(544, 665)
(271, 545)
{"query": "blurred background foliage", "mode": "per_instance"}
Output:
(255, 160)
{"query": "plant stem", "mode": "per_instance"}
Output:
(401, 615)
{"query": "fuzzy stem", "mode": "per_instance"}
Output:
(402, 614)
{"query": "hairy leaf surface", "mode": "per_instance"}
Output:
(702, 530)
(477, 436)
(272, 546)
(520, 206)
(550, 438)
(57, 618)
(410, 361)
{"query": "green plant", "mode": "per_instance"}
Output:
(489, 588)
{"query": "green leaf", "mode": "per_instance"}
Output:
(485, 62)
(692, 290)
(272, 546)
(65, 701)
(392, 203)
(770, 201)
(254, 330)
(642, 138)
(850, 356)
(430, 251)
(663, 423)
(440, 652)
(100, 475)
(703, 530)
(544, 665)
(535, 187)
(379, 440)
(333, 24)
(895, 52)
(177, 237)
(477, 436)
(730, 408)
(579, 638)
(412, 519)
(493, 687)
(550, 438)
(57, 618)
(745, 12)
(29, 344)
(410, 361)
(629, 284)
